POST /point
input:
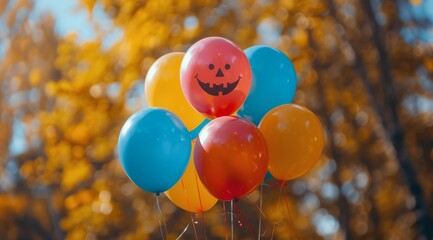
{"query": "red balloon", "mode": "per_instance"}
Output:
(215, 76)
(231, 157)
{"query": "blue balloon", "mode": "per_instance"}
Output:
(273, 83)
(154, 149)
(268, 175)
(194, 133)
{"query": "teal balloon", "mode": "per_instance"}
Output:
(273, 83)
(194, 133)
(268, 175)
(154, 148)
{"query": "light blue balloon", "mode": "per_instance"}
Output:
(268, 175)
(194, 133)
(154, 149)
(273, 83)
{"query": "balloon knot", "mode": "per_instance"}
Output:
(235, 199)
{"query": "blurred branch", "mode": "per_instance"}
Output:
(30, 154)
(371, 190)
(373, 102)
(360, 68)
(5, 123)
(54, 216)
(395, 128)
(388, 114)
(343, 205)
(30, 223)
(47, 194)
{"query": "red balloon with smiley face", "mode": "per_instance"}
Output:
(215, 76)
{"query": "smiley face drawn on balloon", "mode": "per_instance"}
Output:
(215, 77)
(215, 89)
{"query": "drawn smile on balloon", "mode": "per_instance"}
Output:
(215, 89)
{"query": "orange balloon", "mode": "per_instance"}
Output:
(294, 136)
(162, 89)
(189, 193)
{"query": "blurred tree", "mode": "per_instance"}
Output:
(357, 70)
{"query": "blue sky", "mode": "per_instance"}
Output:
(70, 17)
(420, 13)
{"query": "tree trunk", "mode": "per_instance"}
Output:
(395, 129)
(343, 205)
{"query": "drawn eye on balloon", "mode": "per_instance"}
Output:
(215, 77)
(220, 84)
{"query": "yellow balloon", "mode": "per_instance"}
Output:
(162, 89)
(294, 136)
(189, 193)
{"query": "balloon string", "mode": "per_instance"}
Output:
(160, 230)
(259, 235)
(194, 133)
(204, 225)
(190, 214)
(201, 205)
(242, 219)
(184, 230)
(288, 210)
(198, 191)
(231, 217)
(290, 217)
(225, 218)
(275, 184)
(266, 230)
(278, 205)
(262, 215)
(258, 208)
(161, 218)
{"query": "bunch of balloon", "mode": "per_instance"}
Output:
(194, 96)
